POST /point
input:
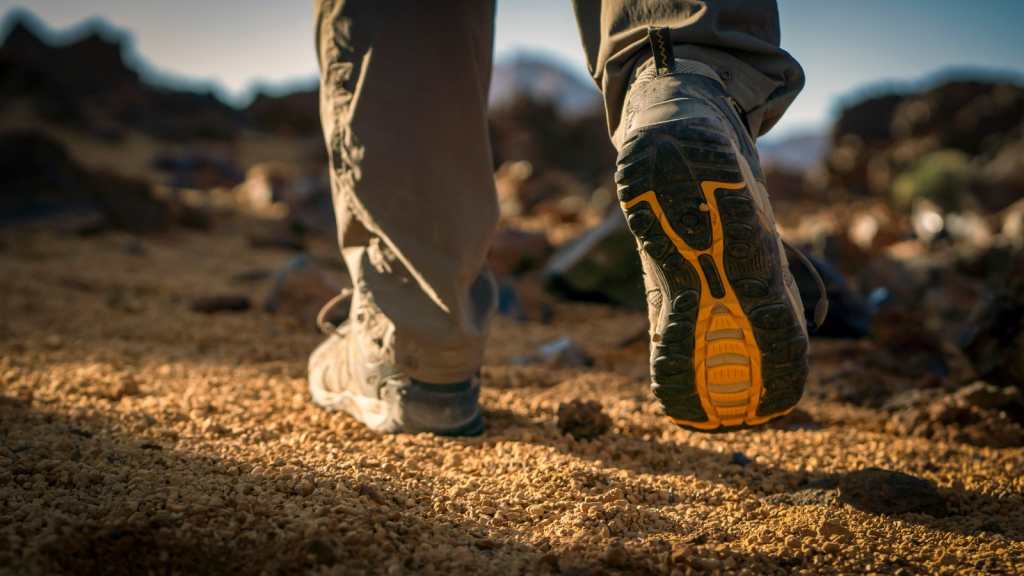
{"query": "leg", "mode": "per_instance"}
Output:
(739, 39)
(687, 87)
(403, 104)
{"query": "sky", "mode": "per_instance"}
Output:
(844, 47)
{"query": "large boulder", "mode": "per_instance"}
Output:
(290, 114)
(994, 340)
(881, 141)
(602, 265)
(40, 180)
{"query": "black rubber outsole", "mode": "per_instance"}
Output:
(663, 174)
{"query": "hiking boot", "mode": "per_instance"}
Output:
(345, 374)
(729, 340)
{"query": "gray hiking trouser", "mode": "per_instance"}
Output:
(403, 103)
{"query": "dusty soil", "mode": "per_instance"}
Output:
(138, 436)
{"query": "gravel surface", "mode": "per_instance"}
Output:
(138, 435)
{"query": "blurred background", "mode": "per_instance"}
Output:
(167, 238)
(900, 168)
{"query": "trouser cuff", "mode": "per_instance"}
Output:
(751, 89)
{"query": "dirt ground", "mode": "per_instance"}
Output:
(137, 436)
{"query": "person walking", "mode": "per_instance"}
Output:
(688, 85)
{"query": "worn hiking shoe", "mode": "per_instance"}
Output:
(728, 336)
(344, 375)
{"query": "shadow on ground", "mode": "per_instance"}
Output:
(84, 499)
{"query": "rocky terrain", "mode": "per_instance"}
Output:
(160, 274)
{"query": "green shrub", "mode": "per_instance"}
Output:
(943, 177)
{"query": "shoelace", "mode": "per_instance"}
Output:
(326, 327)
(821, 308)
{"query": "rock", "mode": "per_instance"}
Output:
(602, 265)
(706, 563)
(863, 229)
(833, 529)
(130, 205)
(486, 544)
(563, 352)
(927, 220)
(1003, 176)
(879, 138)
(524, 190)
(531, 129)
(890, 493)
(192, 209)
(85, 83)
(992, 429)
(979, 414)
(904, 338)
(251, 276)
(304, 487)
(913, 398)
(300, 288)
(508, 180)
(264, 185)
(615, 555)
(1011, 227)
(199, 170)
(860, 131)
(985, 114)
(81, 222)
(41, 180)
(983, 395)
(294, 113)
(371, 492)
(53, 341)
(825, 497)
(970, 230)
(322, 552)
(869, 120)
(583, 420)
(740, 459)
(994, 339)
(310, 208)
(785, 184)
(220, 303)
(126, 386)
(548, 563)
(277, 240)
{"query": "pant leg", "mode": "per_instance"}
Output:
(739, 39)
(403, 105)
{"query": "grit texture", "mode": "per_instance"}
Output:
(140, 436)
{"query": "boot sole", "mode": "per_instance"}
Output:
(383, 417)
(728, 352)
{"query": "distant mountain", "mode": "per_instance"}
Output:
(800, 151)
(93, 75)
(541, 78)
(86, 82)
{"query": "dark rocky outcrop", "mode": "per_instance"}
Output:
(39, 179)
(877, 139)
